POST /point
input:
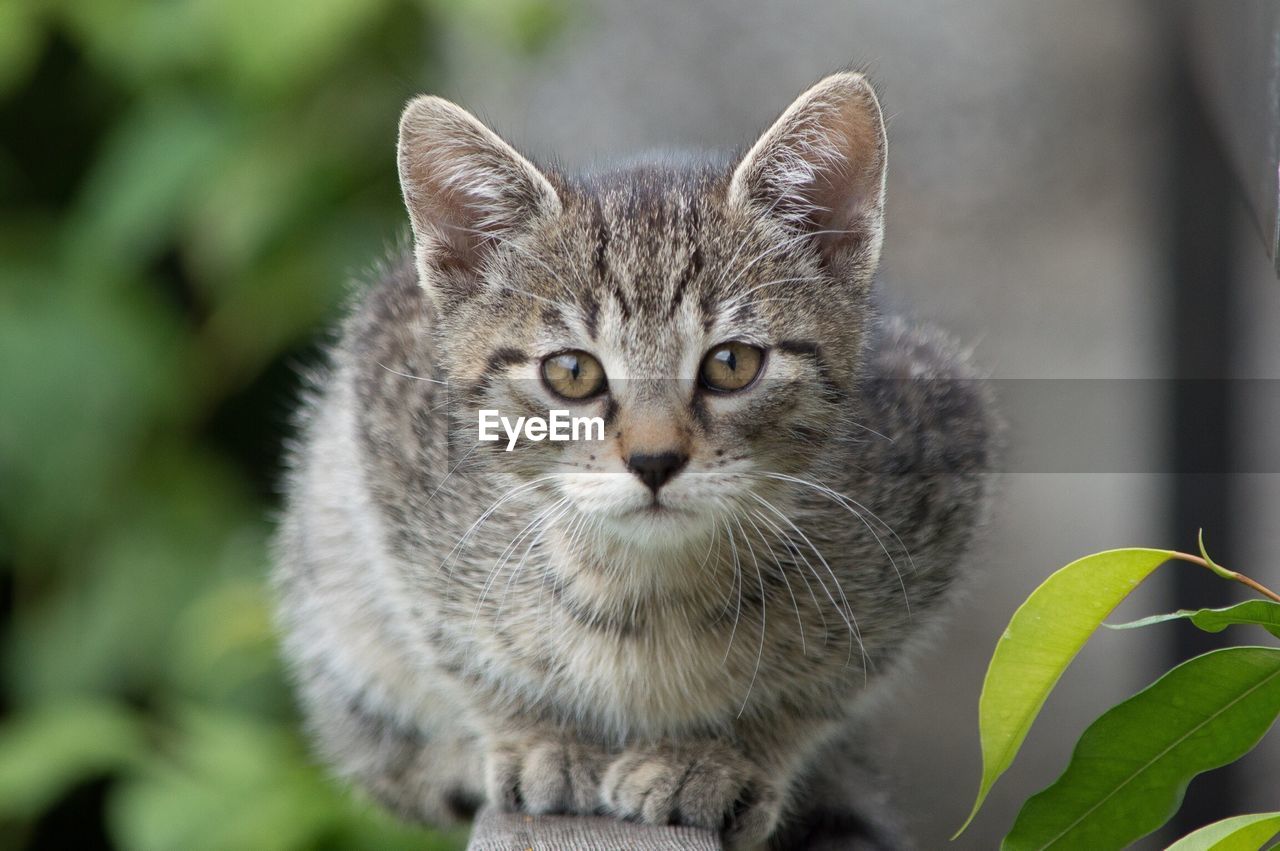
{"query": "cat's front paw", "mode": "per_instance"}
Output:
(700, 784)
(544, 776)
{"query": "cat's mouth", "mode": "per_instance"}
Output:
(656, 524)
(656, 509)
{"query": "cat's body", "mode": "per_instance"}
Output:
(676, 623)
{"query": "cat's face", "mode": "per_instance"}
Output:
(710, 319)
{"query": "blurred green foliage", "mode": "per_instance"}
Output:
(186, 186)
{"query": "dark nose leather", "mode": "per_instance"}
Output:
(656, 470)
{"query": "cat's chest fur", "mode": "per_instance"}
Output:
(669, 678)
(659, 665)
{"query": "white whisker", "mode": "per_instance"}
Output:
(856, 508)
(407, 375)
(782, 571)
(764, 613)
(847, 611)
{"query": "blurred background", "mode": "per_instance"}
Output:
(188, 189)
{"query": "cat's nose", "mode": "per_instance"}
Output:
(655, 470)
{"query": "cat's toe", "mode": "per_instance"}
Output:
(544, 777)
(754, 815)
(641, 786)
(502, 776)
(707, 786)
(560, 778)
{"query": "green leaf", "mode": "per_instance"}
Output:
(170, 532)
(136, 43)
(123, 358)
(274, 47)
(228, 781)
(1240, 833)
(45, 751)
(1131, 767)
(155, 160)
(1045, 634)
(1263, 613)
(22, 36)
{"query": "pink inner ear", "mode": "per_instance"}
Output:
(465, 188)
(468, 199)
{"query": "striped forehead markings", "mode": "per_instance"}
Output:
(691, 270)
(692, 226)
(601, 257)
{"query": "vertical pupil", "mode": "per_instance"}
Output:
(574, 368)
(730, 360)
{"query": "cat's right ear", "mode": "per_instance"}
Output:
(466, 190)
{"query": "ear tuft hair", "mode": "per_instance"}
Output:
(820, 169)
(466, 190)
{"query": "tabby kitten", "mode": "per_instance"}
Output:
(677, 623)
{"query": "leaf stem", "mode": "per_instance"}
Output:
(1228, 574)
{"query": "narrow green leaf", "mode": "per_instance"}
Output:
(1045, 634)
(1239, 833)
(1263, 613)
(1131, 767)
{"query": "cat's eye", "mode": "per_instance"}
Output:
(573, 375)
(730, 366)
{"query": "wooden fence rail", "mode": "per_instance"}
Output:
(495, 831)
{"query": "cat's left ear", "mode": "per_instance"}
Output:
(820, 169)
(467, 191)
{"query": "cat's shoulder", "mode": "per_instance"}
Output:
(901, 348)
(386, 298)
(928, 394)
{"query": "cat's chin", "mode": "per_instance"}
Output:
(658, 526)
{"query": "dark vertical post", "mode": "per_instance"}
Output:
(1202, 413)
